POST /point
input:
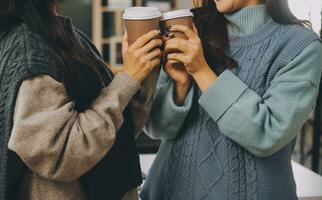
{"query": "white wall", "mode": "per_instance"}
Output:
(185, 4)
(309, 10)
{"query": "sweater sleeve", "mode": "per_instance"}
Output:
(263, 125)
(142, 101)
(166, 118)
(59, 143)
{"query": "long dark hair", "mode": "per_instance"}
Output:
(40, 16)
(213, 29)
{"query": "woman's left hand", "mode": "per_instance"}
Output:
(191, 55)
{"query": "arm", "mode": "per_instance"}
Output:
(166, 118)
(264, 125)
(142, 101)
(59, 143)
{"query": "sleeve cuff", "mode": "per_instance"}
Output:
(125, 83)
(174, 111)
(224, 92)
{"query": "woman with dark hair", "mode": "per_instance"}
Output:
(228, 117)
(67, 123)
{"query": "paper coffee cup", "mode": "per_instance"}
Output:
(178, 17)
(141, 20)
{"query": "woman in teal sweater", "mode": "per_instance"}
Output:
(228, 117)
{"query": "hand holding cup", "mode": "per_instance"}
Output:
(142, 56)
(141, 45)
(189, 52)
(192, 56)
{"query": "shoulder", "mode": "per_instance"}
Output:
(86, 42)
(305, 66)
(25, 45)
(297, 35)
(315, 48)
(29, 52)
(311, 59)
(31, 45)
(291, 41)
(91, 49)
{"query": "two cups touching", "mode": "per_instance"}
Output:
(141, 20)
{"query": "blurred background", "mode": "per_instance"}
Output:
(101, 20)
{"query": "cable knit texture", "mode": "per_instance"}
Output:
(24, 55)
(13, 53)
(202, 162)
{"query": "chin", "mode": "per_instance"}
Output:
(225, 6)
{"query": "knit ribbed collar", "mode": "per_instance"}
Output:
(247, 20)
(249, 25)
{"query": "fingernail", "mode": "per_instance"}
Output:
(168, 35)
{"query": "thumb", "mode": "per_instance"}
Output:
(169, 65)
(195, 30)
(125, 43)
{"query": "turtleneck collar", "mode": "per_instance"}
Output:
(246, 20)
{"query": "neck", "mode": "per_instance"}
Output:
(246, 20)
(253, 3)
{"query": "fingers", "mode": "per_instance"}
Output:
(176, 44)
(167, 36)
(155, 62)
(184, 29)
(151, 45)
(142, 41)
(178, 57)
(169, 65)
(171, 62)
(156, 53)
(195, 30)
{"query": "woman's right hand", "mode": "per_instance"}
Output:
(142, 56)
(181, 78)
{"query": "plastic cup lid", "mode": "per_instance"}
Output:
(139, 13)
(176, 14)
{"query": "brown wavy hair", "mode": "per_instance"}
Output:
(212, 27)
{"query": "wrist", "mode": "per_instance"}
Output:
(135, 76)
(182, 86)
(204, 78)
(185, 83)
(116, 70)
(180, 92)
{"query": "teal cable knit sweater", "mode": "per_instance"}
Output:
(229, 100)
(234, 140)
